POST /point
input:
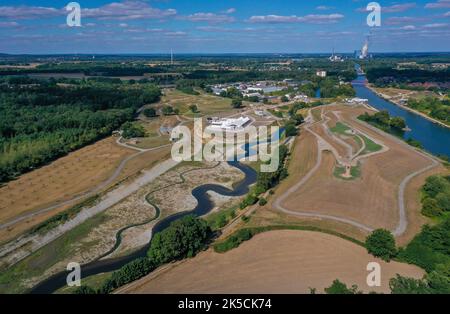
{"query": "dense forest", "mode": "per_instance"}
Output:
(43, 120)
(384, 77)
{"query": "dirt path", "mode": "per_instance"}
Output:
(36, 241)
(324, 145)
(86, 194)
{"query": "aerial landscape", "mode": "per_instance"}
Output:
(162, 147)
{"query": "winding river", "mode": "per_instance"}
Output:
(204, 206)
(434, 137)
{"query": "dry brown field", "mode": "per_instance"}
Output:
(62, 179)
(285, 261)
(75, 174)
(371, 199)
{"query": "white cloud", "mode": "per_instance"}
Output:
(440, 4)
(8, 24)
(393, 8)
(408, 27)
(312, 18)
(404, 20)
(324, 7)
(230, 11)
(209, 18)
(28, 12)
(436, 25)
(127, 10)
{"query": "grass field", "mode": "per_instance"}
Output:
(207, 104)
(340, 128)
(371, 146)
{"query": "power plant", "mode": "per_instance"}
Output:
(364, 52)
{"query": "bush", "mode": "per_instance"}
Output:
(236, 103)
(128, 273)
(381, 243)
(168, 110)
(84, 290)
(262, 201)
(435, 185)
(131, 130)
(339, 287)
(430, 207)
(251, 199)
(403, 285)
(149, 112)
(193, 108)
(443, 201)
(429, 248)
(234, 240)
(290, 129)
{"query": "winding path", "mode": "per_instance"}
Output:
(324, 145)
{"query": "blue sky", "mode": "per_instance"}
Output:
(222, 26)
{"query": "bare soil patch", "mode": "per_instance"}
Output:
(274, 262)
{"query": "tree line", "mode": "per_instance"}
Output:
(184, 238)
(41, 121)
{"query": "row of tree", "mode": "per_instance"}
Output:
(184, 238)
(42, 121)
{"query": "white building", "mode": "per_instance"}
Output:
(228, 124)
(321, 73)
(357, 100)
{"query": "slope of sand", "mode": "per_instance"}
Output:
(286, 261)
(371, 199)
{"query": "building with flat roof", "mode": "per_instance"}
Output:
(228, 124)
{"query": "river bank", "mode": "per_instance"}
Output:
(430, 134)
(381, 95)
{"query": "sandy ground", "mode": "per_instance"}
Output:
(371, 200)
(61, 180)
(285, 261)
(96, 239)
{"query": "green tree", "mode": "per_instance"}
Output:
(338, 287)
(262, 201)
(381, 243)
(149, 112)
(131, 130)
(167, 110)
(193, 108)
(290, 129)
(236, 103)
(404, 285)
(84, 290)
(184, 238)
(430, 207)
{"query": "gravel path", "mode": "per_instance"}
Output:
(324, 145)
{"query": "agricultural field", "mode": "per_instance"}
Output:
(133, 218)
(69, 176)
(207, 104)
(286, 261)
